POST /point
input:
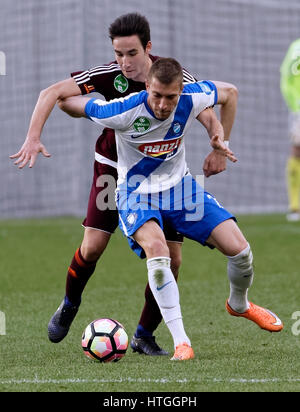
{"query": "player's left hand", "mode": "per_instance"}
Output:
(218, 144)
(215, 162)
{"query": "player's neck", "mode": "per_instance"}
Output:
(142, 77)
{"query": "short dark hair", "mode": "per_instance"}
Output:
(166, 70)
(130, 24)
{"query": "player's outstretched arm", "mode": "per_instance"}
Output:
(32, 145)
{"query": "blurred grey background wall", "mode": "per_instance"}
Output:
(239, 41)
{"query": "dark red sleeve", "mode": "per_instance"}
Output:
(83, 80)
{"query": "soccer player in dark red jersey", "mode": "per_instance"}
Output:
(130, 35)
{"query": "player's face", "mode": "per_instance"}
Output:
(163, 98)
(132, 57)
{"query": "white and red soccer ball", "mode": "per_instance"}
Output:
(104, 340)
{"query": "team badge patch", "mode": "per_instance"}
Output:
(142, 124)
(121, 83)
(176, 127)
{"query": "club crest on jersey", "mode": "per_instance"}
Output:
(166, 148)
(121, 83)
(141, 124)
(176, 127)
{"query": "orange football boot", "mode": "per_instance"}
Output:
(183, 352)
(264, 318)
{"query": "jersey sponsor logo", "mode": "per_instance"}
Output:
(121, 83)
(141, 125)
(163, 148)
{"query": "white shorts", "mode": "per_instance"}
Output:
(294, 128)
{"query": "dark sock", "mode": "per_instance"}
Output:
(151, 316)
(78, 275)
(142, 332)
(69, 303)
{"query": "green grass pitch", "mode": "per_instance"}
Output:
(231, 354)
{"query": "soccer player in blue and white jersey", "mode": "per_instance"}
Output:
(154, 185)
(131, 42)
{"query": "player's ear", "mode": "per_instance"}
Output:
(181, 87)
(147, 84)
(148, 47)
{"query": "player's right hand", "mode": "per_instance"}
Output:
(28, 153)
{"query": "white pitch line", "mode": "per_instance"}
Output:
(140, 380)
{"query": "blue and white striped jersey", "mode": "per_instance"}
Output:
(151, 152)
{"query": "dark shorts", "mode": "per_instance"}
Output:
(102, 213)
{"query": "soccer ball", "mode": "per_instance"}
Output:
(104, 340)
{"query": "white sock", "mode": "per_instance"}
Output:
(165, 291)
(240, 274)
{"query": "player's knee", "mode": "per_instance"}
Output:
(156, 247)
(242, 246)
(91, 251)
(93, 244)
(237, 244)
(245, 255)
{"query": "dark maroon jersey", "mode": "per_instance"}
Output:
(109, 81)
